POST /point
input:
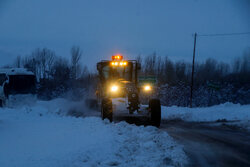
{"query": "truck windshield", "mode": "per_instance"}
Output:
(124, 72)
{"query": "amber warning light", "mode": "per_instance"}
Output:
(117, 57)
(116, 63)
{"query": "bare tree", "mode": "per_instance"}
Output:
(245, 62)
(18, 62)
(160, 67)
(44, 60)
(40, 62)
(169, 71)
(180, 69)
(139, 59)
(150, 64)
(61, 71)
(76, 55)
(85, 71)
(29, 63)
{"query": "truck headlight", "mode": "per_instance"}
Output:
(147, 88)
(114, 88)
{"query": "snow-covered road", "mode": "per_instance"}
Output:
(42, 135)
(235, 114)
(209, 145)
(212, 136)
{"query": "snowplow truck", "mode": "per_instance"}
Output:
(118, 79)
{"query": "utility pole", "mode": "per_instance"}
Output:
(192, 80)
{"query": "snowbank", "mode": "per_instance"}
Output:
(41, 135)
(227, 111)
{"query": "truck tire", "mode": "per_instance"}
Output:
(155, 110)
(106, 109)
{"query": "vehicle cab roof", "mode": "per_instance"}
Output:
(15, 71)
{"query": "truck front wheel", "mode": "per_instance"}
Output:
(155, 111)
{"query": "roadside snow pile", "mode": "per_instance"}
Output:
(59, 106)
(227, 111)
(42, 136)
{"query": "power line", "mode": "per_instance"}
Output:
(224, 34)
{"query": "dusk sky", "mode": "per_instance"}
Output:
(130, 27)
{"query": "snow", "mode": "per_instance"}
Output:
(42, 135)
(226, 112)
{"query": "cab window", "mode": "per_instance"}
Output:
(120, 72)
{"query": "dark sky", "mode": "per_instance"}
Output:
(130, 27)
